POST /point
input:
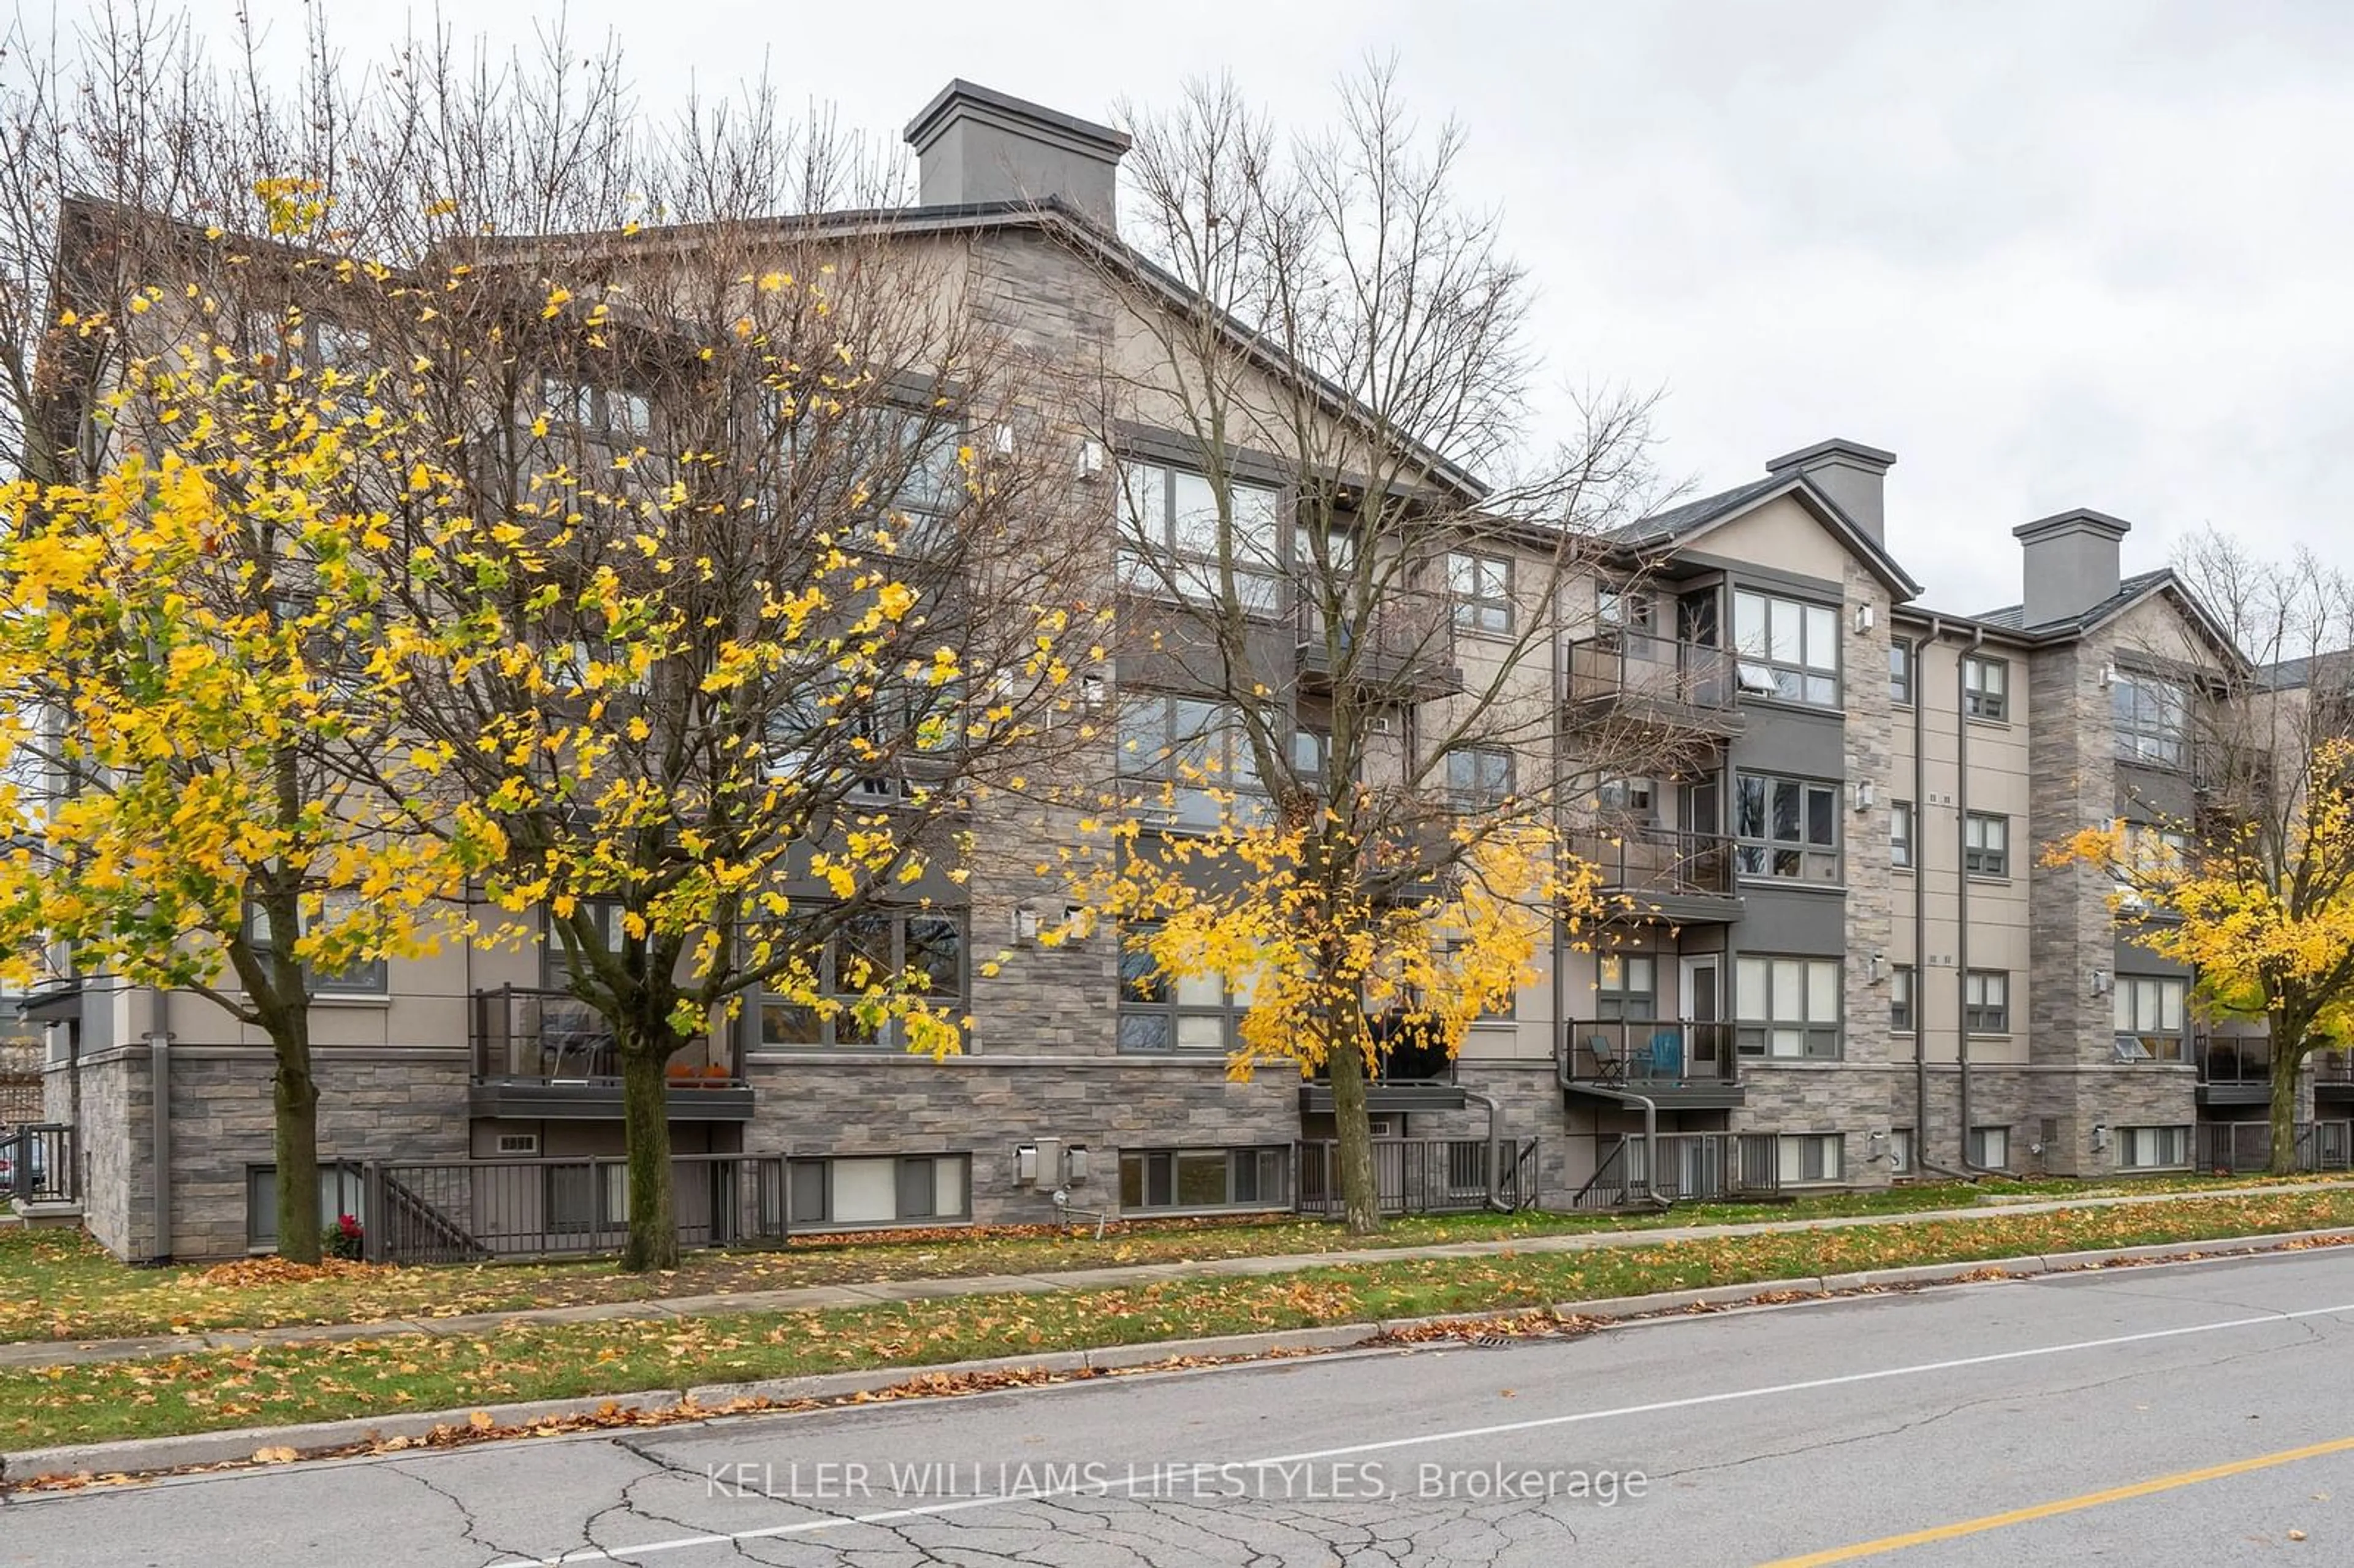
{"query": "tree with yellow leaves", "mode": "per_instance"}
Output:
(187, 641)
(1339, 791)
(2252, 888)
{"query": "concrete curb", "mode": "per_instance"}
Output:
(148, 1454)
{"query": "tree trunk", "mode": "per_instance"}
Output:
(645, 1132)
(2286, 1064)
(295, 1100)
(1361, 1206)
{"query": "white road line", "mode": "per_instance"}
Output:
(1768, 1391)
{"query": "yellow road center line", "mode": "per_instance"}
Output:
(2065, 1505)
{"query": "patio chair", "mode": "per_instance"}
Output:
(1667, 1054)
(1609, 1059)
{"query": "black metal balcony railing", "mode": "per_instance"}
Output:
(2233, 1059)
(1407, 639)
(1692, 1167)
(1665, 676)
(1422, 1175)
(1660, 863)
(2243, 1147)
(39, 1164)
(536, 1034)
(1634, 1053)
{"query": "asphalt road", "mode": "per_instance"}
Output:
(2193, 1414)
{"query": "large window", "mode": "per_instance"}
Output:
(1809, 1156)
(1985, 688)
(1625, 985)
(1787, 1007)
(1790, 650)
(1481, 587)
(1986, 1002)
(1174, 535)
(1159, 1012)
(2153, 719)
(1205, 1178)
(2156, 853)
(1986, 845)
(2148, 1010)
(1190, 751)
(2153, 1148)
(868, 952)
(1901, 1016)
(1479, 777)
(1787, 827)
(1900, 673)
(366, 977)
(1900, 835)
(586, 1196)
(887, 1190)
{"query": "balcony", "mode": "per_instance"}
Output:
(1411, 1079)
(1681, 1064)
(2233, 1070)
(1653, 681)
(1663, 874)
(1409, 651)
(2333, 1076)
(543, 1054)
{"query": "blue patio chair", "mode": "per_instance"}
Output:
(1666, 1053)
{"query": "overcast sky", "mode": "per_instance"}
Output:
(2052, 254)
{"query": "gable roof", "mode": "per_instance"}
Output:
(2131, 590)
(1679, 526)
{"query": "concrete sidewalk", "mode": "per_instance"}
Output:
(50, 1352)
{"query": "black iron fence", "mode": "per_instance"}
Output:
(40, 1163)
(1689, 1168)
(1634, 1053)
(2246, 1148)
(464, 1210)
(1422, 1175)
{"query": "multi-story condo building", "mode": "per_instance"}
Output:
(1840, 959)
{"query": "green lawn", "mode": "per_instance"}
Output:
(319, 1380)
(58, 1284)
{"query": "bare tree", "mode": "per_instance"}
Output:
(1332, 630)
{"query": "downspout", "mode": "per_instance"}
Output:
(1962, 887)
(1495, 1145)
(1625, 1097)
(159, 1079)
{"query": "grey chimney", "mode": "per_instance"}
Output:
(1851, 474)
(975, 145)
(2070, 565)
